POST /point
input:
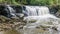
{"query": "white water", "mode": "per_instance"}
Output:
(41, 16)
(36, 10)
(12, 11)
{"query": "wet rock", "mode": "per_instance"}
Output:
(10, 23)
(54, 9)
(54, 28)
(10, 32)
(4, 19)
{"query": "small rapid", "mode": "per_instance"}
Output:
(40, 21)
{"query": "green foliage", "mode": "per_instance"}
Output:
(24, 2)
(0, 0)
(14, 2)
(59, 1)
(43, 2)
(31, 2)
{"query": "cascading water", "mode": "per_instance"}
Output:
(36, 10)
(30, 11)
(41, 19)
(12, 11)
(43, 11)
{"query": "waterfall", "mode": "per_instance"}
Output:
(43, 10)
(38, 16)
(12, 11)
(36, 10)
(31, 11)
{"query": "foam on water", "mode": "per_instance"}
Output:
(41, 16)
